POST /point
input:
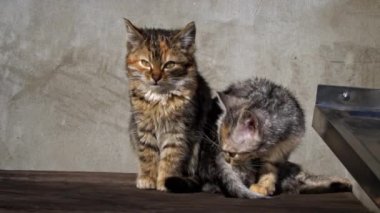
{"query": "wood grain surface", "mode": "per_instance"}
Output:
(42, 191)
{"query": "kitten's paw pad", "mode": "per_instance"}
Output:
(145, 183)
(264, 190)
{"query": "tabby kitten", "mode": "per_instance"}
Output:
(263, 121)
(169, 100)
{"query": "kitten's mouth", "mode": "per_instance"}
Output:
(160, 85)
(155, 84)
(234, 154)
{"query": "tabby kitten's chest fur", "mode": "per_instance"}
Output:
(169, 100)
(157, 117)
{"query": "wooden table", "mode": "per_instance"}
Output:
(38, 191)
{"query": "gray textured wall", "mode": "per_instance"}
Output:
(63, 92)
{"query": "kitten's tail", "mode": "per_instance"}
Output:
(312, 184)
(295, 180)
(183, 184)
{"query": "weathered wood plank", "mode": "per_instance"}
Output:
(42, 191)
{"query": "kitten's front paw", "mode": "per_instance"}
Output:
(145, 183)
(264, 190)
(161, 185)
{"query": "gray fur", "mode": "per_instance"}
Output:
(275, 115)
(278, 113)
(280, 117)
(213, 174)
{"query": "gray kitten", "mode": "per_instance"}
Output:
(263, 120)
(259, 124)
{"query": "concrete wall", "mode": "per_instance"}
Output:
(63, 91)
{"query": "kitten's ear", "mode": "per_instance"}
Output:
(249, 119)
(134, 35)
(185, 39)
(229, 101)
(251, 125)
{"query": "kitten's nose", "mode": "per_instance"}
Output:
(156, 77)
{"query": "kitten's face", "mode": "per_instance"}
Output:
(160, 59)
(239, 129)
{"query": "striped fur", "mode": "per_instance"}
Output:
(213, 172)
(264, 121)
(265, 170)
(169, 100)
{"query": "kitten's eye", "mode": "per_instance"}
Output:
(169, 65)
(145, 63)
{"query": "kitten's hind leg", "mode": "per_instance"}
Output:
(267, 180)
